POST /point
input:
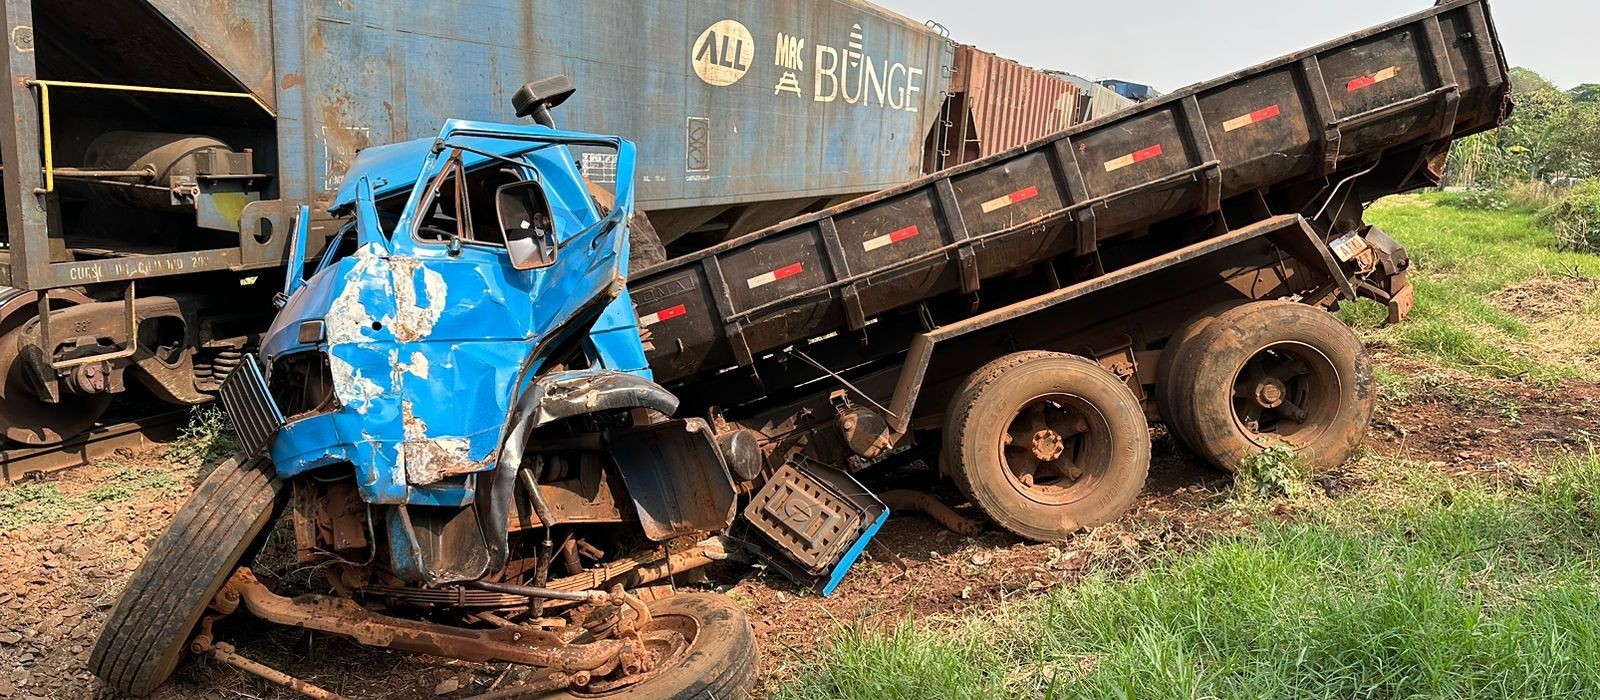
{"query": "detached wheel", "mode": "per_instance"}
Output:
(146, 634)
(1047, 444)
(707, 649)
(1272, 373)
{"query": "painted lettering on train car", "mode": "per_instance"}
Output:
(723, 53)
(849, 73)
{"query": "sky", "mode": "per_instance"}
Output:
(1174, 43)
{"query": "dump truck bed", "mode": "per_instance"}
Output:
(1401, 91)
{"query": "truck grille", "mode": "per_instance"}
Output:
(255, 416)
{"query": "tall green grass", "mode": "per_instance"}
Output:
(1448, 591)
(1460, 259)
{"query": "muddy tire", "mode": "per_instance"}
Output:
(1185, 333)
(146, 634)
(1272, 373)
(720, 663)
(1047, 444)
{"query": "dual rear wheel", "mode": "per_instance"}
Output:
(1047, 444)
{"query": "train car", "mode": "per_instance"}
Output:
(154, 151)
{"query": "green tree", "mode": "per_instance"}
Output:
(1551, 133)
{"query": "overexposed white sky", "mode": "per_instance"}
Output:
(1173, 43)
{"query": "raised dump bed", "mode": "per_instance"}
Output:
(1382, 105)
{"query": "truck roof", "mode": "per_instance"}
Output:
(394, 168)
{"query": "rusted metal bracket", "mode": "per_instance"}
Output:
(347, 618)
(226, 654)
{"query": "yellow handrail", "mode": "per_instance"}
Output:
(44, 110)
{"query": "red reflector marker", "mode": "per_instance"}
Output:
(1135, 157)
(1255, 117)
(778, 274)
(891, 238)
(999, 203)
(666, 314)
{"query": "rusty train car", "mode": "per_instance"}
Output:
(154, 151)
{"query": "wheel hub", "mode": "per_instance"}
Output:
(1270, 393)
(1282, 389)
(1048, 445)
(1044, 446)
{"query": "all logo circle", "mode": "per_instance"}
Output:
(723, 53)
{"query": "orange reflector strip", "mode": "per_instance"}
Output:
(778, 274)
(890, 238)
(1134, 157)
(1367, 81)
(999, 203)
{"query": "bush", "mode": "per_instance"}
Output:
(1576, 219)
(1477, 199)
(1534, 195)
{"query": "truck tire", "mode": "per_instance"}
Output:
(720, 663)
(1185, 333)
(219, 528)
(1272, 373)
(1047, 444)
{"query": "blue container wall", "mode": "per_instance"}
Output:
(730, 101)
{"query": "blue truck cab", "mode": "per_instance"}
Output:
(477, 293)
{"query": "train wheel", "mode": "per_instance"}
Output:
(1272, 373)
(706, 647)
(147, 632)
(24, 416)
(1047, 444)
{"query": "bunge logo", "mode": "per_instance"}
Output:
(723, 53)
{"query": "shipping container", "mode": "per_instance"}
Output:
(1098, 101)
(995, 104)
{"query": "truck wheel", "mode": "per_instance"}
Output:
(1185, 333)
(1047, 444)
(718, 663)
(216, 530)
(1272, 373)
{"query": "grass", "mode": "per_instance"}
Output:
(38, 503)
(207, 438)
(31, 504)
(1447, 590)
(1461, 260)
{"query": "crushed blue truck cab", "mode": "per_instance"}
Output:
(440, 343)
(429, 342)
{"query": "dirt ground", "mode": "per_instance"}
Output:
(67, 546)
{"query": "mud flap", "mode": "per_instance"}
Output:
(675, 476)
(820, 518)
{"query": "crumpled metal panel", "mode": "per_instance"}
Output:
(427, 348)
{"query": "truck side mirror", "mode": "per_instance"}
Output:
(537, 98)
(528, 224)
